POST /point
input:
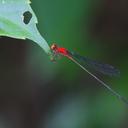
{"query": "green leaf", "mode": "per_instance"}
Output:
(12, 22)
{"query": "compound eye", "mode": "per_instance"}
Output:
(54, 46)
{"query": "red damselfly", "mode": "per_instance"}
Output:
(84, 61)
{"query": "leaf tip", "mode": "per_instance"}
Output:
(28, 1)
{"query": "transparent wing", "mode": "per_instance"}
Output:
(100, 67)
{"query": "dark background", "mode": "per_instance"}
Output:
(36, 93)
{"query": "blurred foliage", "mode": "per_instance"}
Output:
(38, 93)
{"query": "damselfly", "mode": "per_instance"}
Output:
(84, 61)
